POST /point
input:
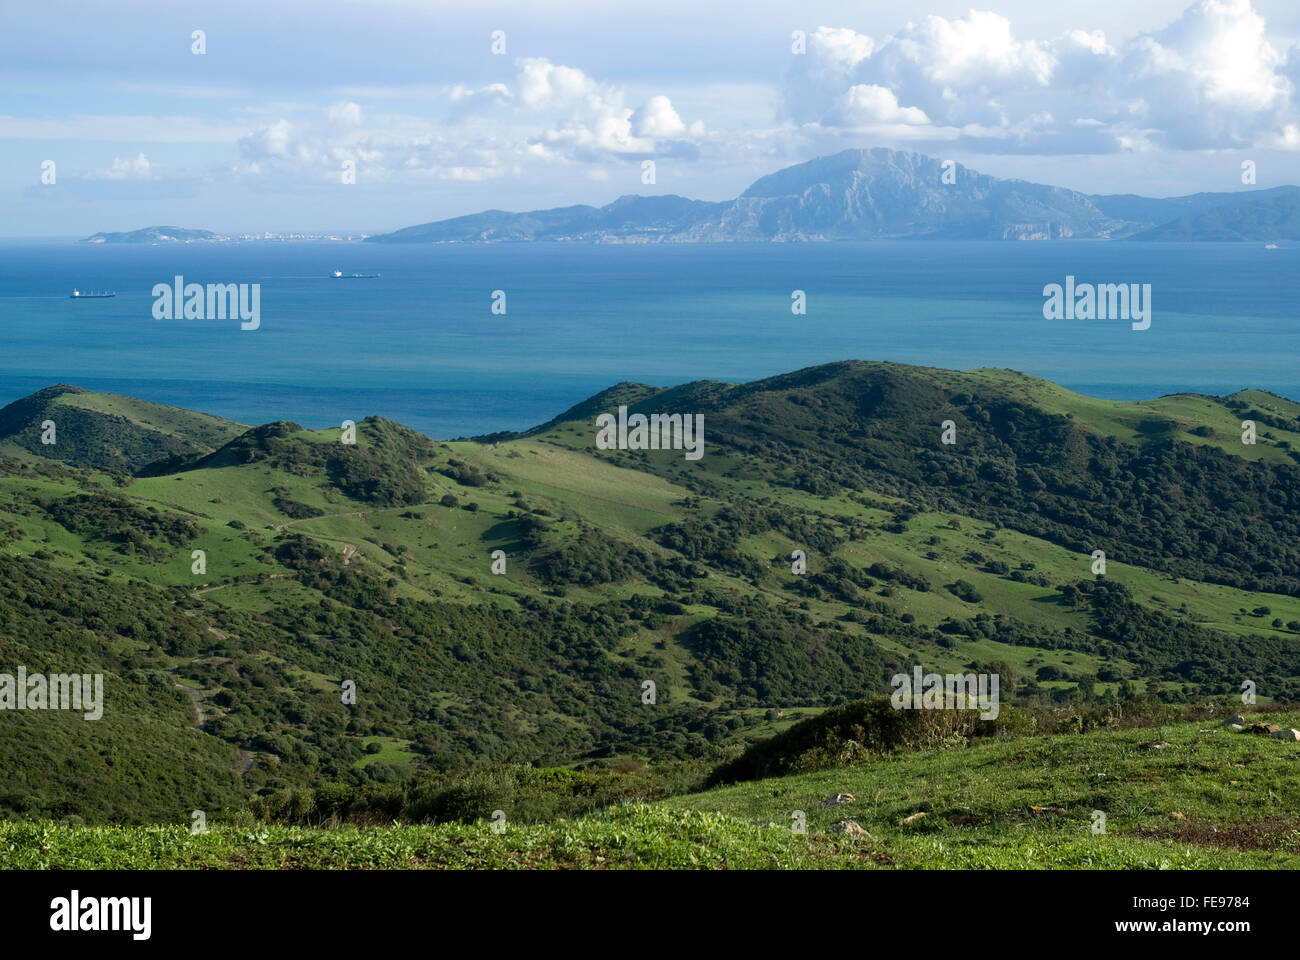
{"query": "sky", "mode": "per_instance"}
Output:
(365, 116)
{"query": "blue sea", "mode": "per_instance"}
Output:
(421, 345)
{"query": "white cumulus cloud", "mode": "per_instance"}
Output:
(1212, 79)
(656, 118)
(137, 168)
(549, 114)
(866, 103)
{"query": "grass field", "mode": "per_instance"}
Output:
(1207, 798)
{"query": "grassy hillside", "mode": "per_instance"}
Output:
(104, 431)
(324, 562)
(1207, 798)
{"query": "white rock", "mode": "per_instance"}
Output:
(837, 799)
(850, 827)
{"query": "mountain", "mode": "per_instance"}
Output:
(857, 195)
(230, 582)
(629, 216)
(156, 235)
(1275, 216)
(1147, 212)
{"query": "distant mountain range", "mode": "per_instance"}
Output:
(885, 194)
(875, 194)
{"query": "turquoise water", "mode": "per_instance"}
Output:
(421, 344)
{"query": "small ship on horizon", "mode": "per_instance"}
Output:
(340, 275)
(78, 295)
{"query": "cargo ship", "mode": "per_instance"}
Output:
(340, 275)
(78, 295)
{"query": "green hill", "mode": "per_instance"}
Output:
(103, 431)
(1083, 473)
(323, 563)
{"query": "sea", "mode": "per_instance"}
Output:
(421, 344)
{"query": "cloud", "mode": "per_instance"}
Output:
(657, 119)
(270, 141)
(549, 114)
(131, 169)
(586, 119)
(543, 85)
(866, 103)
(1210, 80)
(345, 114)
(1214, 78)
(492, 93)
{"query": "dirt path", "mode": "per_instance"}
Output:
(200, 717)
(200, 591)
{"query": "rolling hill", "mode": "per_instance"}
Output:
(231, 582)
(104, 431)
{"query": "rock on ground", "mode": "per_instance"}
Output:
(850, 828)
(837, 799)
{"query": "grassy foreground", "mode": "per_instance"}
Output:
(1207, 798)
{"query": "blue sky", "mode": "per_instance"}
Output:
(1159, 98)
